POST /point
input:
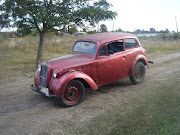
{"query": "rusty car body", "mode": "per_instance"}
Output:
(95, 60)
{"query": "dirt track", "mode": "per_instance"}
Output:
(23, 111)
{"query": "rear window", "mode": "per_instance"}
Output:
(130, 43)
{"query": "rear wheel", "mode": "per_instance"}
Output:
(139, 73)
(72, 94)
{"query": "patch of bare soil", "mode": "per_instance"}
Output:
(23, 111)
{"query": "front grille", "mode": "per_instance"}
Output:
(43, 76)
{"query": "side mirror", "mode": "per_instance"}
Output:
(110, 52)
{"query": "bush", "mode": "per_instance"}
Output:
(91, 32)
(176, 36)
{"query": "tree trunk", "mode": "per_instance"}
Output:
(40, 49)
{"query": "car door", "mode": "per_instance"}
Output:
(110, 67)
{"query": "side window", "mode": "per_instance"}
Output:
(130, 43)
(116, 46)
(103, 50)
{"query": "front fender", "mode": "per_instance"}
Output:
(57, 84)
(141, 58)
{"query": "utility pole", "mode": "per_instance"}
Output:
(98, 27)
(113, 26)
(176, 23)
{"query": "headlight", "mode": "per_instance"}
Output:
(39, 67)
(54, 74)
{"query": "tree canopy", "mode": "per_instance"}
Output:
(47, 15)
(103, 28)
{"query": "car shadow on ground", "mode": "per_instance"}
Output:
(119, 86)
(115, 86)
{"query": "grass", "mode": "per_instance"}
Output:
(20, 53)
(153, 110)
(158, 114)
(159, 45)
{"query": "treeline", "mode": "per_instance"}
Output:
(164, 34)
(150, 31)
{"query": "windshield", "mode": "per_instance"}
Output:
(86, 47)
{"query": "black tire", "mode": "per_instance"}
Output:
(72, 94)
(139, 73)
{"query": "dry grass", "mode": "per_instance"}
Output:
(159, 45)
(20, 53)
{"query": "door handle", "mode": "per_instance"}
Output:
(124, 57)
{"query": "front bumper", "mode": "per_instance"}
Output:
(39, 90)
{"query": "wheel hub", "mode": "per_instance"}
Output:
(72, 93)
(138, 73)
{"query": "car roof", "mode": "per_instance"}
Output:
(101, 38)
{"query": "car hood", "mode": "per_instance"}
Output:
(69, 60)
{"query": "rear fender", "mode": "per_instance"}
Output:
(141, 58)
(58, 84)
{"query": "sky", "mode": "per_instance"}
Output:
(145, 14)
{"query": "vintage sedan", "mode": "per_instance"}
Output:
(95, 60)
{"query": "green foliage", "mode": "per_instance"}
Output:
(72, 29)
(23, 30)
(152, 30)
(34, 32)
(44, 15)
(176, 36)
(103, 28)
(91, 32)
(84, 30)
(119, 30)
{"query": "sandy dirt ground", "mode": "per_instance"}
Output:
(23, 111)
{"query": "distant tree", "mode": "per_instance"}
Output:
(166, 31)
(103, 28)
(138, 31)
(45, 15)
(119, 30)
(84, 30)
(161, 31)
(72, 29)
(152, 30)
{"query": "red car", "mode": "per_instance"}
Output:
(95, 60)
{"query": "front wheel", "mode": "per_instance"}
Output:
(139, 73)
(72, 94)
